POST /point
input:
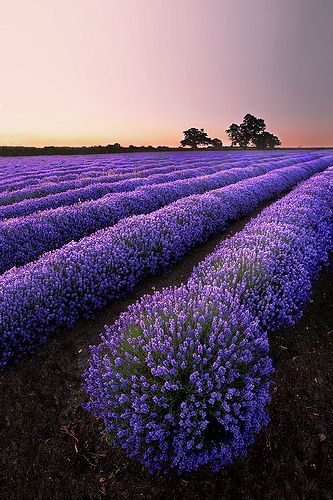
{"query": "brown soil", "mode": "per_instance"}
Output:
(52, 449)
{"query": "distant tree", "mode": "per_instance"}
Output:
(195, 137)
(273, 141)
(234, 134)
(113, 147)
(265, 140)
(216, 143)
(252, 131)
(250, 128)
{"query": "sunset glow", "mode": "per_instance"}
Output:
(142, 71)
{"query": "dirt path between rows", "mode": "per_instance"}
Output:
(51, 448)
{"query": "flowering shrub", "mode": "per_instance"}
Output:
(280, 251)
(42, 297)
(23, 240)
(180, 380)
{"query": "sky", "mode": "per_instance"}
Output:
(76, 72)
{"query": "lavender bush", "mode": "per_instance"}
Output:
(281, 252)
(180, 380)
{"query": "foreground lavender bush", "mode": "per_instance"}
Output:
(52, 293)
(180, 380)
(22, 240)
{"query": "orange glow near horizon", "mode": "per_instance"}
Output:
(97, 72)
(171, 140)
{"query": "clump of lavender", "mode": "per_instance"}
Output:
(272, 263)
(180, 380)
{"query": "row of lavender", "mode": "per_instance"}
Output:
(52, 293)
(100, 186)
(22, 240)
(86, 177)
(82, 173)
(94, 167)
(23, 181)
(11, 167)
(182, 378)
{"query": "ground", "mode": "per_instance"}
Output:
(52, 448)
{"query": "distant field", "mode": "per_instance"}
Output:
(180, 379)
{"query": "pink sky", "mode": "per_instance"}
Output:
(142, 71)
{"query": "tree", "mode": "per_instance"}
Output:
(272, 141)
(265, 140)
(250, 128)
(234, 134)
(252, 131)
(195, 137)
(216, 143)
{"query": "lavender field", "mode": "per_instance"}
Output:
(183, 377)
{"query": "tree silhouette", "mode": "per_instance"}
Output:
(265, 140)
(216, 143)
(250, 128)
(195, 137)
(252, 131)
(234, 134)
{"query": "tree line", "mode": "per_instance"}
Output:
(77, 150)
(251, 132)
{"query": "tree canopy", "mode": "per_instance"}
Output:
(265, 140)
(216, 143)
(252, 132)
(195, 137)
